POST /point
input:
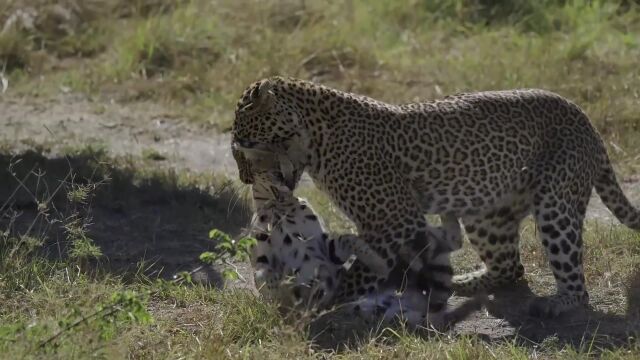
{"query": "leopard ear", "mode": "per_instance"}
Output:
(262, 96)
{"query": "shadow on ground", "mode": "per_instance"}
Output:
(132, 217)
(506, 319)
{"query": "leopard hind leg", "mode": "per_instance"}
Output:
(559, 217)
(495, 238)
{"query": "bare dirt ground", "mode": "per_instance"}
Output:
(134, 129)
(168, 226)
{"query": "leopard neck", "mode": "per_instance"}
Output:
(323, 113)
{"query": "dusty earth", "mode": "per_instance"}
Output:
(167, 226)
(139, 129)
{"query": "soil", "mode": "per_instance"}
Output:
(167, 226)
(138, 129)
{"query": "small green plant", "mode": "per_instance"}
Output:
(82, 246)
(82, 249)
(19, 246)
(123, 309)
(227, 251)
(79, 193)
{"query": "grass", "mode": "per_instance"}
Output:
(86, 240)
(71, 303)
(195, 322)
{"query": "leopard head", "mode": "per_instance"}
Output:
(268, 132)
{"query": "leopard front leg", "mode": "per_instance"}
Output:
(386, 215)
(389, 219)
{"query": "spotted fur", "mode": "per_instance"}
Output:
(299, 264)
(488, 158)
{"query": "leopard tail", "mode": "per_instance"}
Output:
(608, 188)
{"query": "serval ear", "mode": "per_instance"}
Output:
(261, 97)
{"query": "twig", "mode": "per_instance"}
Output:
(177, 278)
(337, 59)
(17, 188)
(112, 309)
(304, 62)
(235, 269)
(21, 183)
(3, 79)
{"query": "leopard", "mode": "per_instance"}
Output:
(301, 266)
(487, 158)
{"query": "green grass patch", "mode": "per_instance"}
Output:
(55, 308)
